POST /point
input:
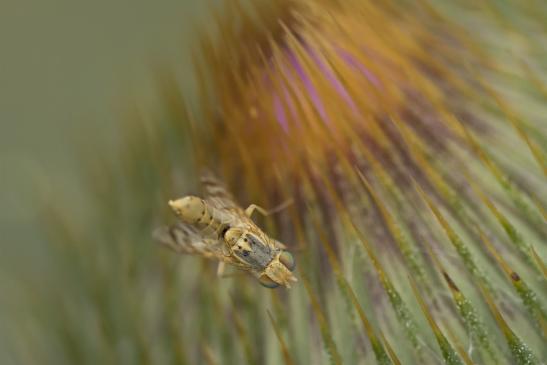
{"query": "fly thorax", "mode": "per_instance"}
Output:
(249, 247)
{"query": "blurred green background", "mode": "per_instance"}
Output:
(67, 70)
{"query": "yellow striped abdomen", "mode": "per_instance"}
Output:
(192, 210)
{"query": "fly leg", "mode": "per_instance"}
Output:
(221, 271)
(279, 245)
(251, 208)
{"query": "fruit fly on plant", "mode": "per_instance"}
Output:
(217, 228)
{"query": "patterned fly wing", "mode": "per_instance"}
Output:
(185, 239)
(216, 192)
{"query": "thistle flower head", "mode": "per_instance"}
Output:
(384, 126)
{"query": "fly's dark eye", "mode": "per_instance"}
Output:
(267, 282)
(287, 259)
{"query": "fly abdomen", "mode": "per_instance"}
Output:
(192, 210)
(197, 212)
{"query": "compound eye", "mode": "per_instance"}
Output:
(264, 280)
(287, 259)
